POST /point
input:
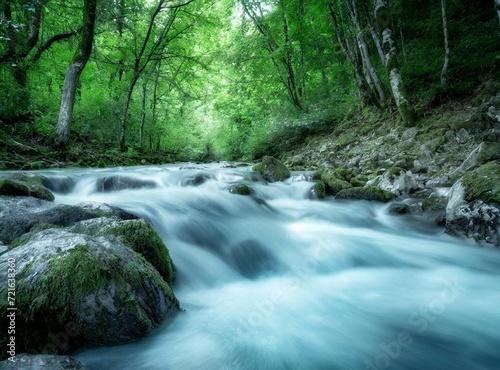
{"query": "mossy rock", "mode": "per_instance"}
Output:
(136, 234)
(25, 185)
(356, 182)
(332, 183)
(13, 188)
(240, 189)
(371, 193)
(483, 183)
(109, 293)
(272, 170)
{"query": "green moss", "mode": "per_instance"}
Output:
(355, 182)
(483, 183)
(41, 192)
(71, 278)
(142, 238)
(22, 184)
(366, 193)
(13, 188)
(240, 189)
(332, 183)
(319, 189)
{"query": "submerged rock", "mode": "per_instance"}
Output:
(196, 179)
(252, 260)
(240, 189)
(114, 183)
(272, 170)
(25, 361)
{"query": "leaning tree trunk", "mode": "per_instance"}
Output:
(73, 73)
(383, 17)
(444, 71)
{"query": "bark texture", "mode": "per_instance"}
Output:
(383, 17)
(73, 73)
(444, 71)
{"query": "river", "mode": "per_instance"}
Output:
(279, 281)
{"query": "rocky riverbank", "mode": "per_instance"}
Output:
(447, 166)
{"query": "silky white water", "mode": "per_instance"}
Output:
(278, 281)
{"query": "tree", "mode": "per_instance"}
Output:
(383, 17)
(444, 71)
(142, 59)
(280, 54)
(74, 71)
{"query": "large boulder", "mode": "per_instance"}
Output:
(272, 170)
(92, 267)
(26, 361)
(24, 185)
(109, 293)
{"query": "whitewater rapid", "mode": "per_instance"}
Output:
(279, 281)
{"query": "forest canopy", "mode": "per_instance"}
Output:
(232, 79)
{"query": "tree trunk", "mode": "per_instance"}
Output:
(128, 97)
(73, 73)
(382, 15)
(444, 71)
(371, 73)
(497, 7)
(365, 92)
(143, 113)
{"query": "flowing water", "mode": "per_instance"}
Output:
(278, 281)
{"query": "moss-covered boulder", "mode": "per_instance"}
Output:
(136, 234)
(272, 170)
(240, 189)
(25, 361)
(483, 183)
(366, 193)
(333, 184)
(25, 185)
(13, 188)
(105, 290)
